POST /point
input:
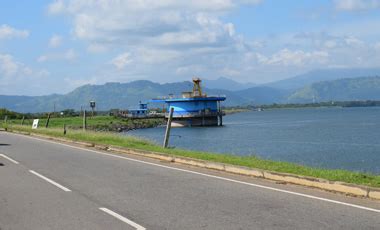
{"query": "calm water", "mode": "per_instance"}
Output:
(340, 138)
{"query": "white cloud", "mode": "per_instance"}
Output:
(356, 5)
(7, 32)
(121, 60)
(42, 58)
(55, 41)
(16, 74)
(190, 70)
(353, 41)
(156, 56)
(286, 57)
(159, 36)
(96, 48)
(56, 7)
(8, 66)
(131, 22)
(229, 72)
(177, 39)
(325, 40)
(68, 55)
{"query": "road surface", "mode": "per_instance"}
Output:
(48, 185)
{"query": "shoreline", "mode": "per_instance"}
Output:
(327, 179)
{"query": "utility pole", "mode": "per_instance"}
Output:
(168, 127)
(84, 120)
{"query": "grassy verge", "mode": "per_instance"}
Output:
(248, 161)
(103, 123)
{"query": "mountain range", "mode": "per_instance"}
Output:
(348, 89)
(227, 84)
(323, 75)
(319, 85)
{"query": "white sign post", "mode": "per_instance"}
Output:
(35, 123)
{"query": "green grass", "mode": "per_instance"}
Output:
(248, 161)
(105, 123)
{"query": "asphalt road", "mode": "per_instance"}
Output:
(45, 185)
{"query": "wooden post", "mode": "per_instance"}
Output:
(168, 127)
(84, 120)
(5, 122)
(47, 121)
(64, 129)
(220, 114)
(23, 119)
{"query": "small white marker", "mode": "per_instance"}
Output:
(8, 158)
(122, 218)
(50, 181)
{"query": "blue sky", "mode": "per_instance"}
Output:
(54, 46)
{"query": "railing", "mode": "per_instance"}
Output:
(198, 114)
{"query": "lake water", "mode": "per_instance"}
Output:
(338, 138)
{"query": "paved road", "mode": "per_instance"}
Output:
(45, 185)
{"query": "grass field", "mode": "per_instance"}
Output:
(248, 161)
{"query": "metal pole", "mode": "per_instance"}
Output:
(168, 127)
(23, 119)
(84, 120)
(5, 119)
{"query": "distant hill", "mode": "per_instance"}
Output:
(323, 75)
(263, 95)
(349, 89)
(127, 95)
(108, 96)
(226, 84)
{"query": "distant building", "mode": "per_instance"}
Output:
(142, 111)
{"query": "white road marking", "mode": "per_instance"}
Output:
(122, 218)
(50, 181)
(10, 159)
(212, 176)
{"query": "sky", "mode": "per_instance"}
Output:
(55, 46)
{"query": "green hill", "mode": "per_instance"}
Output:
(127, 95)
(349, 89)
